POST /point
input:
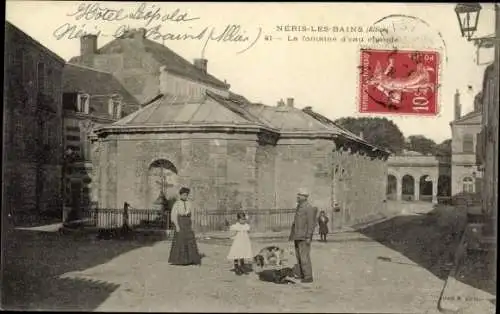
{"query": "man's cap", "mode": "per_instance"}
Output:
(303, 191)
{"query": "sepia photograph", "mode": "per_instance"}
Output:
(250, 157)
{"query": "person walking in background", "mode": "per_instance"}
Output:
(301, 233)
(184, 250)
(241, 248)
(323, 225)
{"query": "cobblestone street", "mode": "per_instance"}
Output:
(391, 267)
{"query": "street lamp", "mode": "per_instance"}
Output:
(468, 18)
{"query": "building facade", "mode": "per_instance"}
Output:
(487, 148)
(91, 98)
(33, 120)
(466, 178)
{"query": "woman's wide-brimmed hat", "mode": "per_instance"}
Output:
(184, 190)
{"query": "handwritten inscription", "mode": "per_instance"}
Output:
(97, 12)
(154, 19)
(232, 33)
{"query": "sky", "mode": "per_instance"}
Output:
(323, 75)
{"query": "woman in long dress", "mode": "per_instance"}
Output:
(184, 250)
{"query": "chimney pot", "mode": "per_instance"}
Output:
(141, 33)
(281, 103)
(88, 44)
(289, 102)
(201, 64)
(458, 106)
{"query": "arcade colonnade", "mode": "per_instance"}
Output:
(413, 186)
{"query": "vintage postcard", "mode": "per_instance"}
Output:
(250, 157)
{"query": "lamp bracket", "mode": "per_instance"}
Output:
(481, 40)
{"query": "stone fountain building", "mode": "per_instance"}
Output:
(235, 155)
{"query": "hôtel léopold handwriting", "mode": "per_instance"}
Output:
(154, 18)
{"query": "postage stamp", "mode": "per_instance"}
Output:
(398, 81)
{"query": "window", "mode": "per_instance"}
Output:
(41, 76)
(50, 81)
(73, 128)
(468, 185)
(83, 103)
(73, 138)
(73, 148)
(468, 143)
(115, 106)
(28, 70)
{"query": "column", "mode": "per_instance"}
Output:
(416, 191)
(399, 188)
(434, 191)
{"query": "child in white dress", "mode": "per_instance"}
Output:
(241, 248)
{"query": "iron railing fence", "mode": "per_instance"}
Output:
(203, 220)
(261, 220)
(110, 218)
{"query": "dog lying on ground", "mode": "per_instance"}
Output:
(269, 256)
(269, 262)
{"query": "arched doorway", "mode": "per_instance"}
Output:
(162, 185)
(392, 187)
(408, 187)
(425, 185)
(162, 179)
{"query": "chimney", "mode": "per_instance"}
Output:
(201, 64)
(458, 106)
(361, 135)
(289, 102)
(88, 44)
(281, 103)
(140, 33)
(478, 102)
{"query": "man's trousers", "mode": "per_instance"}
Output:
(303, 254)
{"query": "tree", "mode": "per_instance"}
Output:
(378, 131)
(421, 144)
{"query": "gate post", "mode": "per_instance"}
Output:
(125, 225)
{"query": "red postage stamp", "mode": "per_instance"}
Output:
(400, 82)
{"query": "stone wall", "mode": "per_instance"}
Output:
(360, 188)
(266, 176)
(51, 198)
(219, 169)
(20, 193)
(20, 186)
(294, 169)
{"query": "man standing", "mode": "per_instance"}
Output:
(301, 233)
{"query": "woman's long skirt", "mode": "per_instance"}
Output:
(184, 250)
